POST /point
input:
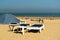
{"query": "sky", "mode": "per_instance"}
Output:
(30, 6)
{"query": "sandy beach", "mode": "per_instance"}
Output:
(50, 32)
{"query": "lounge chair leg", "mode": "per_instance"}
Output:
(14, 29)
(40, 31)
(23, 31)
(9, 27)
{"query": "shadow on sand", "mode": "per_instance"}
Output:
(33, 31)
(18, 31)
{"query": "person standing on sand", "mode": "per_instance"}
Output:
(41, 19)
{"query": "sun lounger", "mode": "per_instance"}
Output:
(15, 24)
(22, 26)
(36, 27)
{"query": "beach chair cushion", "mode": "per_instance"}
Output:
(37, 25)
(24, 24)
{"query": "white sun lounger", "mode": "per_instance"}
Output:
(23, 26)
(35, 27)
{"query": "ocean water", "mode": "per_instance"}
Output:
(35, 14)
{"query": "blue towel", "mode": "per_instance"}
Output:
(13, 23)
(37, 25)
(24, 24)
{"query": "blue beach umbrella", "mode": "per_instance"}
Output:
(8, 18)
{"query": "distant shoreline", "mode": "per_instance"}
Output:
(49, 18)
(35, 14)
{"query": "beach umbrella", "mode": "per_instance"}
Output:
(8, 18)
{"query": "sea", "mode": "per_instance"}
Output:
(35, 14)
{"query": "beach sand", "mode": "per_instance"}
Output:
(50, 32)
